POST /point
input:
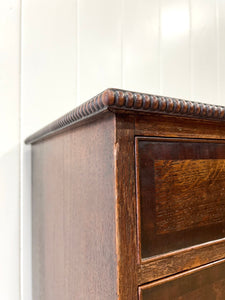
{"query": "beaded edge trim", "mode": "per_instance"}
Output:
(121, 99)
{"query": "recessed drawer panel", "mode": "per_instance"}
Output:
(181, 191)
(204, 283)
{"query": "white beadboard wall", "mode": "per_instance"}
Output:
(57, 54)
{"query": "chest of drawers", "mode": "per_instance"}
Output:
(128, 200)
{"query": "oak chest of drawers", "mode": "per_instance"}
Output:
(128, 200)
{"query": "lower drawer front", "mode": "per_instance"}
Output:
(204, 283)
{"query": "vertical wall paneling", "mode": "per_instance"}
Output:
(9, 150)
(141, 45)
(203, 51)
(48, 61)
(175, 48)
(99, 46)
(221, 50)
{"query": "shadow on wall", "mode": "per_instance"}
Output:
(26, 217)
(15, 223)
(10, 224)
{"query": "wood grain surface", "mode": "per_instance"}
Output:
(189, 190)
(204, 283)
(171, 126)
(74, 230)
(181, 186)
(177, 261)
(126, 209)
(128, 191)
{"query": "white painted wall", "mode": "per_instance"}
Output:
(65, 52)
(9, 149)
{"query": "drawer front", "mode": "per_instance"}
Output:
(204, 283)
(181, 191)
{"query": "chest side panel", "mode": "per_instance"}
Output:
(74, 234)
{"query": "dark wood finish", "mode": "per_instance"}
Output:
(181, 187)
(74, 230)
(169, 126)
(178, 261)
(126, 208)
(204, 283)
(114, 99)
(102, 178)
(179, 205)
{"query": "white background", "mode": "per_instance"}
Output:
(56, 54)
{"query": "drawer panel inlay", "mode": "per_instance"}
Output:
(182, 185)
(181, 188)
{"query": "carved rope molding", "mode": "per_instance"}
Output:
(126, 100)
